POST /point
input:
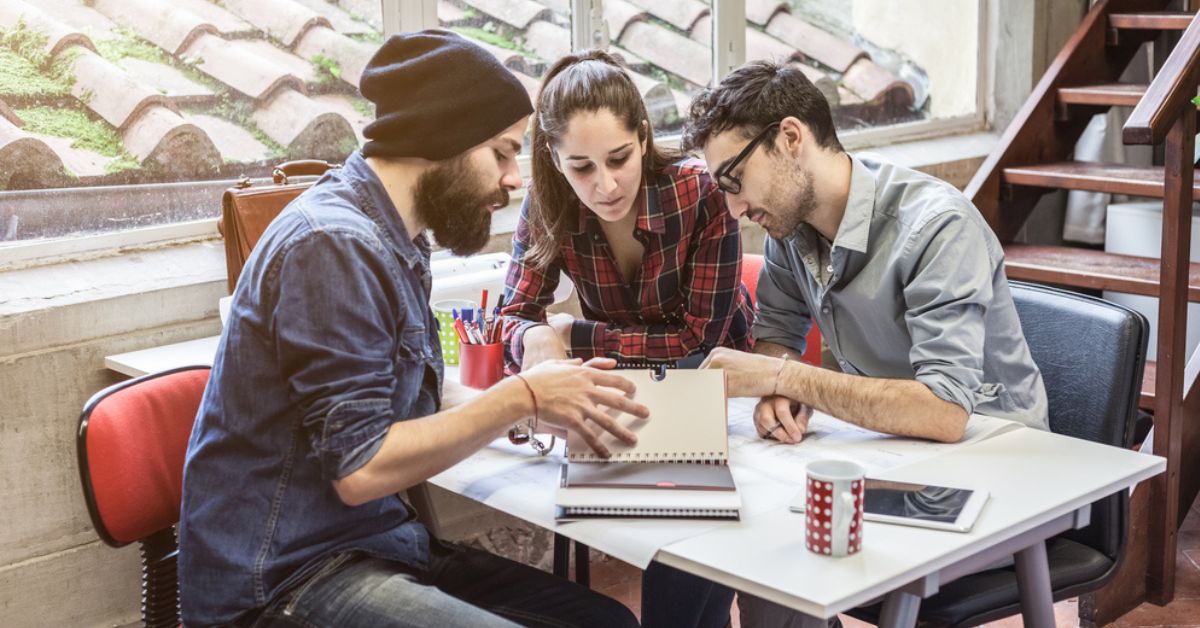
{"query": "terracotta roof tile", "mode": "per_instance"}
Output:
(670, 51)
(516, 13)
(162, 140)
(170, 28)
(347, 23)
(110, 92)
(619, 15)
(874, 84)
(168, 81)
(368, 10)
(59, 36)
(306, 129)
(234, 143)
(77, 15)
(547, 40)
(80, 162)
(25, 161)
(511, 59)
(681, 14)
(284, 20)
(226, 22)
(760, 12)
(351, 56)
(277, 58)
(232, 63)
(759, 45)
(814, 43)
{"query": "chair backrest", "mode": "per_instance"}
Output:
(751, 268)
(1091, 353)
(131, 444)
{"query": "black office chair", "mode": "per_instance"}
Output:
(1091, 353)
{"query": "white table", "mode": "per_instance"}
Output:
(1041, 484)
(199, 352)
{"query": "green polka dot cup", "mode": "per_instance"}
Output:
(448, 338)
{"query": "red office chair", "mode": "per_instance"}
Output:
(751, 267)
(131, 444)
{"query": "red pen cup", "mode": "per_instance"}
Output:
(833, 512)
(480, 366)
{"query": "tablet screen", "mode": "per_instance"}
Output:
(914, 501)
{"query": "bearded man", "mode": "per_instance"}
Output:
(327, 400)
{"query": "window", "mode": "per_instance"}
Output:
(123, 120)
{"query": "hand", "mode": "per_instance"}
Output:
(562, 323)
(540, 344)
(782, 419)
(746, 374)
(569, 394)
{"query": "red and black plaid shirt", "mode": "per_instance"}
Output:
(686, 298)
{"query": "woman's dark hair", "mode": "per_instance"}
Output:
(583, 82)
(754, 96)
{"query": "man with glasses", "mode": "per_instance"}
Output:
(898, 270)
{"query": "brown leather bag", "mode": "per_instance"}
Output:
(248, 209)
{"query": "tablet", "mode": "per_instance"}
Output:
(922, 505)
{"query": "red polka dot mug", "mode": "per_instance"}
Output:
(833, 515)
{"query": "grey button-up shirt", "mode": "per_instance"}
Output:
(917, 291)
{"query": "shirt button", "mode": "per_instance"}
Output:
(829, 268)
(825, 309)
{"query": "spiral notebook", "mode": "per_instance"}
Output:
(679, 466)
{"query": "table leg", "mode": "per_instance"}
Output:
(1033, 581)
(900, 609)
(562, 556)
(583, 572)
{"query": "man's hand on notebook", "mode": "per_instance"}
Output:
(746, 374)
(570, 394)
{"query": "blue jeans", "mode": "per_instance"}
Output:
(461, 587)
(676, 599)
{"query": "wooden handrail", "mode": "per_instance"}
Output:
(1170, 93)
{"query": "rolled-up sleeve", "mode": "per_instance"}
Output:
(947, 299)
(334, 329)
(782, 314)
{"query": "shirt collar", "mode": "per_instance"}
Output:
(855, 230)
(378, 206)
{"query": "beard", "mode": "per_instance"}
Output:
(453, 201)
(794, 204)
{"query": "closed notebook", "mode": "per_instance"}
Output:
(679, 466)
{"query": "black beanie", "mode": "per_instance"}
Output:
(437, 95)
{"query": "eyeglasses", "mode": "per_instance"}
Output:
(730, 184)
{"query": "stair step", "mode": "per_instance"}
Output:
(1085, 268)
(1152, 20)
(1146, 400)
(1110, 94)
(1094, 177)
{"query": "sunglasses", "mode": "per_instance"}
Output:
(730, 184)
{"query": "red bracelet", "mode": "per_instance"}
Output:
(532, 427)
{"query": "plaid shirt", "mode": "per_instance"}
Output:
(686, 298)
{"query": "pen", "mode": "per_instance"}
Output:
(483, 302)
(462, 332)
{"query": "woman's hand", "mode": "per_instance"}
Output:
(570, 394)
(562, 323)
(541, 344)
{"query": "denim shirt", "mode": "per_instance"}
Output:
(916, 290)
(330, 340)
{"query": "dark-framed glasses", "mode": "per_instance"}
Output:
(730, 184)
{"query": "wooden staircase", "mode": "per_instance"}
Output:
(1033, 157)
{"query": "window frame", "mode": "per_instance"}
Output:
(729, 51)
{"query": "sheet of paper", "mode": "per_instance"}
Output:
(768, 472)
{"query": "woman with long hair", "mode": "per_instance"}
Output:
(642, 232)
(644, 235)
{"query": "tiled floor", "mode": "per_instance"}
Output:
(623, 582)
